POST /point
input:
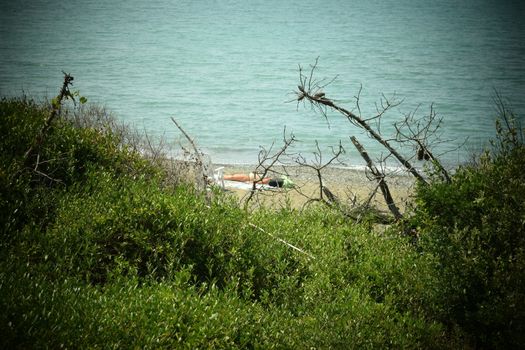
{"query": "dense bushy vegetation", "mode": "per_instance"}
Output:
(475, 228)
(98, 250)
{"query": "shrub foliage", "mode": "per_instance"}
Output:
(475, 228)
(99, 250)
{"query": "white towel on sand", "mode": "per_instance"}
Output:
(245, 185)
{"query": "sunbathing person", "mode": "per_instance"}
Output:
(283, 181)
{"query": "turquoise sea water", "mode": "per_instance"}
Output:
(225, 69)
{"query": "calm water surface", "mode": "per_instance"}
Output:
(225, 69)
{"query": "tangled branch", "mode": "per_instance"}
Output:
(325, 195)
(311, 90)
(267, 161)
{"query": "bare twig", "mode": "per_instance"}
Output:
(510, 134)
(48, 177)
(55, 111)
(267, 161)
(198, 155)
(154, 150)
(283, 241)
(325, 195)
(366, 204)
(422, 133)
(310, 90)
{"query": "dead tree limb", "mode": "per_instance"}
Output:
(366, 204)
(202, 168)
(325, 195)
(311, 90)
(422, 133)
(375, 135)
(380, 177)
(56, 105)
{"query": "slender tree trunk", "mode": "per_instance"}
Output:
(380, 179)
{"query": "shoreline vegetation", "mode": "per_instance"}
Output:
(103, 245)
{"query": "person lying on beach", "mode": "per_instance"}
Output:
(283, 181)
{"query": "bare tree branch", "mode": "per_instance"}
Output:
(325, 195)
(267, 161)
(283, 241)
(380, 178)
(311, 91)
(203, 176)
(422, 134)
(55, 111)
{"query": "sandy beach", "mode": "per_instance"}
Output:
(349, 185)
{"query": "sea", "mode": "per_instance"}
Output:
(227, 70)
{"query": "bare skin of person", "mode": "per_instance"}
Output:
(251, 177)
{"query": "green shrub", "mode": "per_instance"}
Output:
(99, 252)
(39, 313)
(29, 188)
(271, 295)
(475, 227)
